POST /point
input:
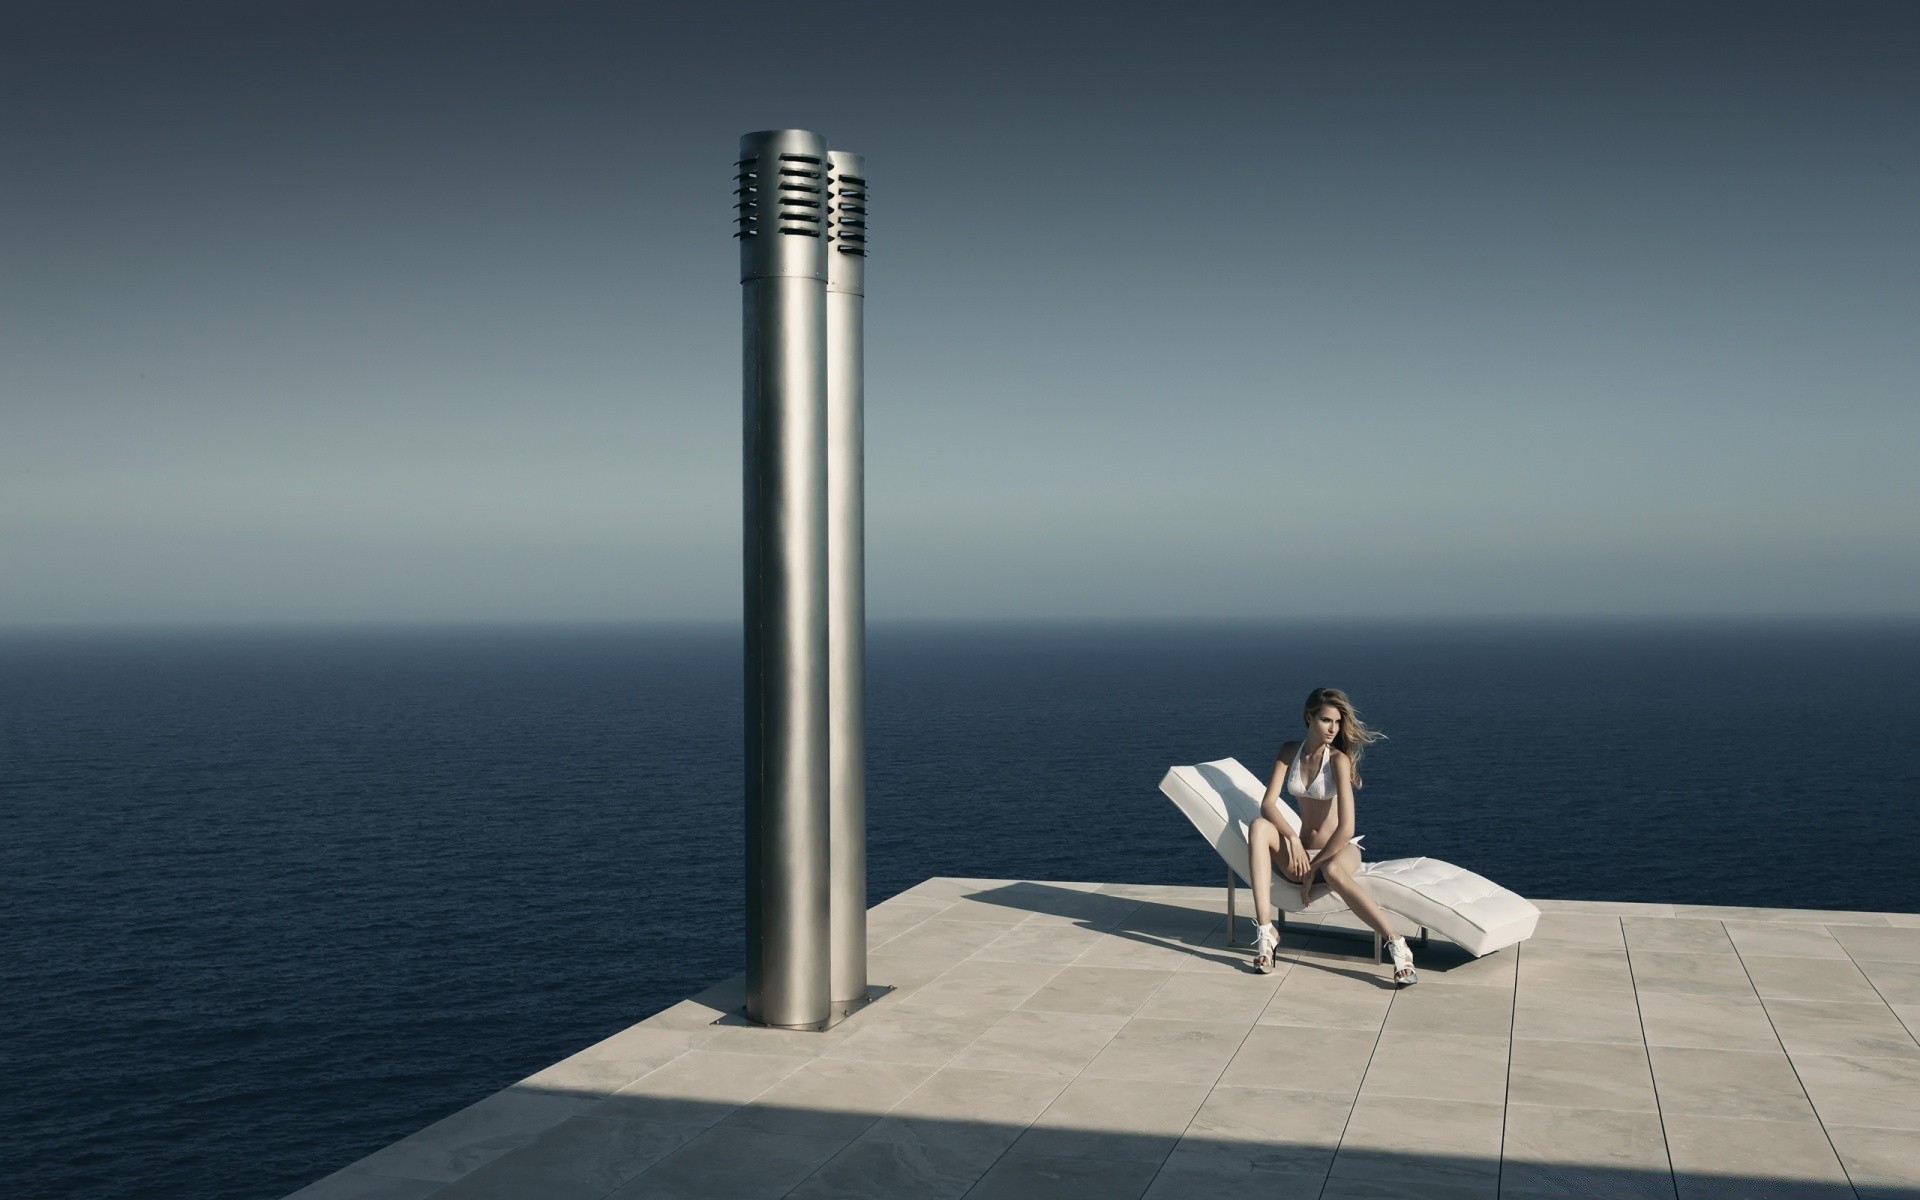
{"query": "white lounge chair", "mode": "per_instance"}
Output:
(1222, 799)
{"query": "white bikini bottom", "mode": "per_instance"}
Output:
(1352, 841)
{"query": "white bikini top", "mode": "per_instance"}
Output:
(1322, 787)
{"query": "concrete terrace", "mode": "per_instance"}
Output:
(1059, 1041)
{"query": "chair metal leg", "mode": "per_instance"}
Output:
(1233, 921)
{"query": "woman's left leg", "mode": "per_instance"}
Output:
(1339, 877)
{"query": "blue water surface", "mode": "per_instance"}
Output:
(271, 900)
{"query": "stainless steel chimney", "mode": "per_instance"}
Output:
(846, 579)
(782, 198)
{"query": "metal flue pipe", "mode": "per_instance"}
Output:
(846, 579)
(781, 192)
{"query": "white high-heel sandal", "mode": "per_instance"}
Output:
(1403, 973)
(1266, 944)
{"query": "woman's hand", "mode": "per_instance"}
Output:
(1298, 861)
(1306, 885)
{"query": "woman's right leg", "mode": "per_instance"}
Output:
(1263, 841)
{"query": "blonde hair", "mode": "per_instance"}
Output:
(1354, 736)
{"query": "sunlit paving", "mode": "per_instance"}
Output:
(1064, 1040)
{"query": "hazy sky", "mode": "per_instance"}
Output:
(417, 312)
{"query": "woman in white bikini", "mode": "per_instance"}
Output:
(1321, 773)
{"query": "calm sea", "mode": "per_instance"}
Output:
(269, 901)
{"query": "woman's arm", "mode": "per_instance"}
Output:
(1291, 846)
(1343, 818)
(1270, 803)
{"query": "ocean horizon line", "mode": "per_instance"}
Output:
(1074, 624)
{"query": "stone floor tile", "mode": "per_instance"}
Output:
(1816, 916)
(1909, 1015)
(1268, 1130)
(1192, 1174)
(1437, 1066)
(830, 1098)
(1880, 945)
(1903, 920)
(1577, 1016)
(1414, 1183)
(908, 1157)
(884, 922)
(1048, 898)
(692, 1015)
(1128, 1119)
(1049, 1043)
(941, 938)
(1103, 991)
(1171, 1051)
(1301, 1058)
(1708, 1022)
(1611, 908)
(907, 900)
(352, 1183)
(1396, 1140)
(1351, 956)
(1011, 1098)
(612, 1063)
(1162, 891)
(915, 1036)
(737, 1035)
(981, 908)
(1105, 922)
(1464, 1012)
(1214, 955)
(1581, 1075)
(1728, 1083)
(1809, 979)
(1044, 942)
(1147, 951)
(1557, 966)
(1219, 959)
(1778, 939)
(1329, 997)
(1162, 918)
(1834, 1027)
(1880, 1092)
(1584, 929)
(699, 1088)
(582, 1158)
(905, 973)
(1726, 1157)
(1237, 998)
(947, 888)
(1896, 982)
(726, 995)
(980, 987)
(1880, 1162)
(1595, 1153)
(478, 1134)
(1446, 965)
(1033, 1177)
(731, 1164)
(1676, 935)
(1700, 974)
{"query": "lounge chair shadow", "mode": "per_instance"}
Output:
(1103, 912)
(1197, 948)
